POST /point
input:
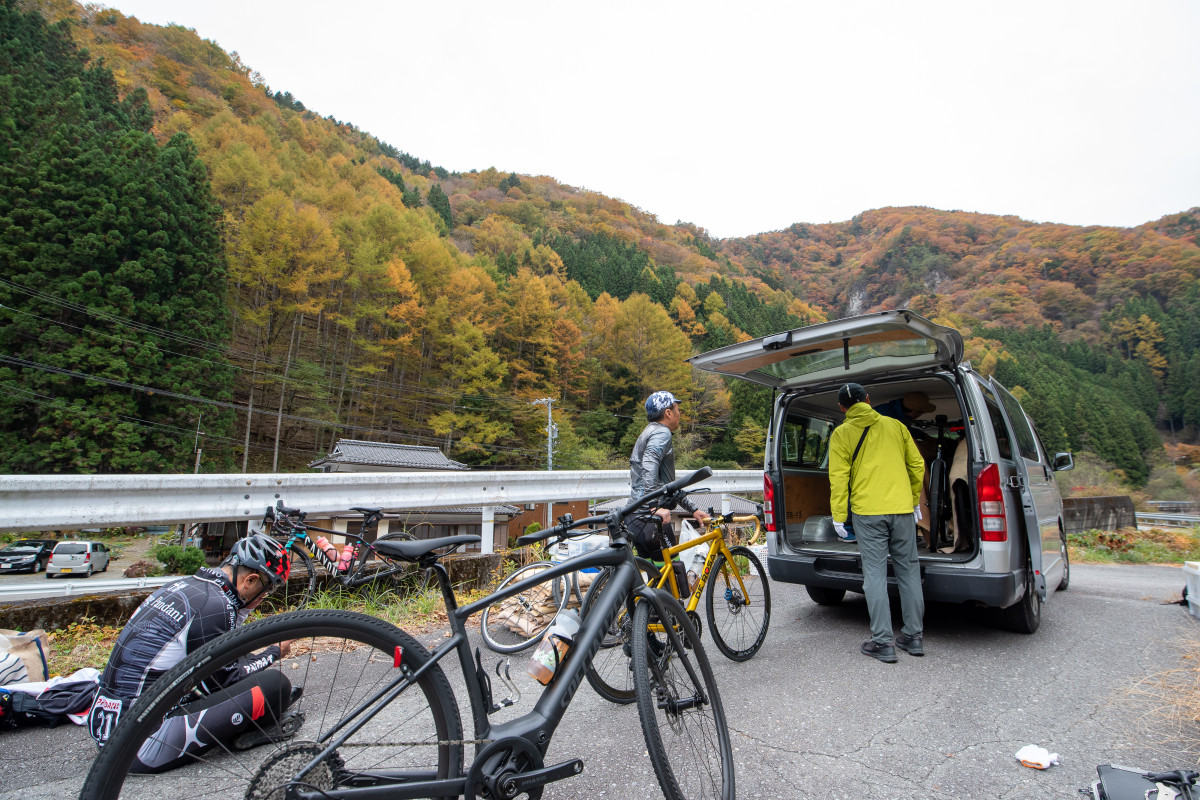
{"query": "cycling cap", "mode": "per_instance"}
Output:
(262, 554)
(851, 393)
(660, 401)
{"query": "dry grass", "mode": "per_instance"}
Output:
(1133, 546)
(81, 644)
(1167, 703)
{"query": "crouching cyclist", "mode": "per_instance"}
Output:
(242, 706)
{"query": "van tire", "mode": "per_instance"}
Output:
(1024, 616)
(824, 596)
(1066, 559)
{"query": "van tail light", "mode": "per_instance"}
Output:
(768, 502)
(87, 557)
(993, 527)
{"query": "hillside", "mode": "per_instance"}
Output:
(370, 294)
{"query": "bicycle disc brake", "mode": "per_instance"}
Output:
(276, 774)
(498, 763)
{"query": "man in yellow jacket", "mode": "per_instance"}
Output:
(875, 470)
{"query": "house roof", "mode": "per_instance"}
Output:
(739, 506)
(383, 454)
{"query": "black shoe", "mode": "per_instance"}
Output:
(910, 644)
(297, 691)
(883, 652)
(287, 727)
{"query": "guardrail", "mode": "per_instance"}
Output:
(52, 502)
(11, 592)
(1167, 520)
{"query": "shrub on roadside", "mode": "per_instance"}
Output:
(179, 560)
(143, 568)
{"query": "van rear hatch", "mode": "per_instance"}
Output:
(70, 554)
(850, 349)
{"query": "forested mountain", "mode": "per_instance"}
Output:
(298, 280)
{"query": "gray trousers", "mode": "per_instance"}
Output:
(881, 535)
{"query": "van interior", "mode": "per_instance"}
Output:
(945, 532)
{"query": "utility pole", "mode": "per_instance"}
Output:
(199, 449)
(551, 435)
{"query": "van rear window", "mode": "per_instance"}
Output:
(71, 548)
(806, 441)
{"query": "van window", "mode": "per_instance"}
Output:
(71, 548)
(805, 441)
(1021, 430)
(998, 424)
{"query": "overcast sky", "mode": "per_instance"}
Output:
(747, 117)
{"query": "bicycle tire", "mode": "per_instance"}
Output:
(683, 723)
(341, 658)
(515, 623)
(738, 623)
(301, 583)
(608, 672)
(938, 499)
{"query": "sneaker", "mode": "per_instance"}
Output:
(287, 727)
(910, 644)
(883, 652)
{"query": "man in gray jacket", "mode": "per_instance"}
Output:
(651, 465)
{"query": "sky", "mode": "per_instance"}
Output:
(748, 117)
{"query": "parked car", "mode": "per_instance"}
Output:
(77, 557)
(993, 530)
(26, 554)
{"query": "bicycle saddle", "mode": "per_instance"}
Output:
(417, 549)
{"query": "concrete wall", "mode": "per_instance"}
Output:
(1097, 513)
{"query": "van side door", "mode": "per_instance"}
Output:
(1033, 483)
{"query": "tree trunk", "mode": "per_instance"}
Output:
(250, 410)
(287, 365)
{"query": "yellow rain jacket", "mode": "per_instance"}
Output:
(888, 471)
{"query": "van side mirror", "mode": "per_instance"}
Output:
(1063, 461)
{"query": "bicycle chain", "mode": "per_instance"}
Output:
(419, 744)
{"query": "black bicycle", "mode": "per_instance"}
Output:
(367, 565)
(381, 721)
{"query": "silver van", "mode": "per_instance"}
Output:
(992, 531)
(78, 558)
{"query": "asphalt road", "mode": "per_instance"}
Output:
(813, 718)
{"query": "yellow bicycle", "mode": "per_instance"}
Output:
(737, 603)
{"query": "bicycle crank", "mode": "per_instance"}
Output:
(509, 767)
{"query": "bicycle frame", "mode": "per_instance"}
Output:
(536, 727)
(353, 577)
(717, 546)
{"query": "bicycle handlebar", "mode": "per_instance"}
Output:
(613, 518)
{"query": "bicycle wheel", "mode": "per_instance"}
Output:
(514, 623)
(344, 661)
(608, 672)
(738, 621)
(301, 582)
(679, 705)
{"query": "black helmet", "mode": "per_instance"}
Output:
(262, 554)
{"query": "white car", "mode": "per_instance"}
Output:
(77, 558)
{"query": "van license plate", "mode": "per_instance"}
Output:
(65, 569)
(5, 566)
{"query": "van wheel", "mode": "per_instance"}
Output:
(1066, 559)
(824, 596)
(1025, 615)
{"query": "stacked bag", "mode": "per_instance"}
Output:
(28, 695)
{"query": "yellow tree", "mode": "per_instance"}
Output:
(652, 348)
(526, 332)
(469, 374)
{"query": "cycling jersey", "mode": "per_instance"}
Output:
(171, 623)
(652, 464)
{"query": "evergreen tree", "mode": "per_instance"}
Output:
(441, 204)
(113, 286)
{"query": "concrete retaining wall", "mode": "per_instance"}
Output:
(1098, 513)
(467, 571)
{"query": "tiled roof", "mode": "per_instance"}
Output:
(739, 506)
(381, 454)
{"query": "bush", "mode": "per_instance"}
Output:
(179, 560)
(143, 568)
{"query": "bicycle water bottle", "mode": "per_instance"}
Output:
(550, 652)
(345, 559)
(327, 553)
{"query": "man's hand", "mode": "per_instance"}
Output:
(285, 648)
(664, 514)
(916, 514)
(701, 517)
(840, 527)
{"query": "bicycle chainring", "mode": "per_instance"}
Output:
(498, 762)
(273, 778)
